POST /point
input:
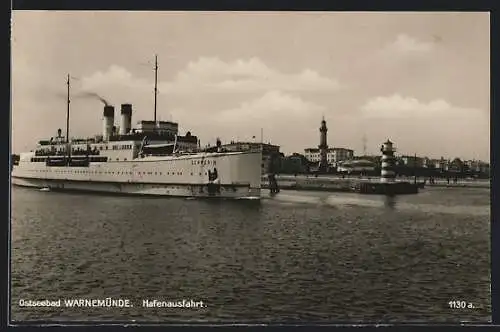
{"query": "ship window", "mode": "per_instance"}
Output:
(125, 159)
(191, 173)
(214, 162)
(156, 173)
(117, 159)
(160, 173)
(200, 174)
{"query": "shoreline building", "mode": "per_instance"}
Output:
(357, 166)
(324, 156)
(334, 155)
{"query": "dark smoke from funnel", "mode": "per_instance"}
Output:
(92, 95)
(87, 95)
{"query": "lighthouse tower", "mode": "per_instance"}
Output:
(387, 173)
(323, 147)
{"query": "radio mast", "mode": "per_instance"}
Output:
(364, 145)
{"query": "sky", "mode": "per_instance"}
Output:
(418, 79)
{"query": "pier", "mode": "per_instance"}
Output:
(334, 183)
(386, 184)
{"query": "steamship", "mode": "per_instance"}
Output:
(150, 159)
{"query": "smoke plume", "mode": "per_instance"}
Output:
(92, 95)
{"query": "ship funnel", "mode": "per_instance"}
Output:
(108, 122)
(126, 119)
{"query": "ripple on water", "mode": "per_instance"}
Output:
(294, 257)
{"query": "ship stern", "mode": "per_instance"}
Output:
(248, 171)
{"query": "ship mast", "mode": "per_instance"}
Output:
(67, 112)
(156, 87)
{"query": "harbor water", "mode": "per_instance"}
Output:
(294, 257)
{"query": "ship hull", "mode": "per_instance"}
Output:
(238, 176)
(143, 189)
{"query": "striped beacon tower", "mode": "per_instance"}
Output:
(387, 173)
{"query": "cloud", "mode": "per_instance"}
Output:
(272, 105)
(424, 127)
(114, 77)
(396, 106)
(279, 113)
(408, 44)
(212, 75)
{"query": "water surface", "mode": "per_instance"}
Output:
(299, 256)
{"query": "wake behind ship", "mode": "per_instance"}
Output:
(151, 159)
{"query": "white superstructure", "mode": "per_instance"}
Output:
(139, 162)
